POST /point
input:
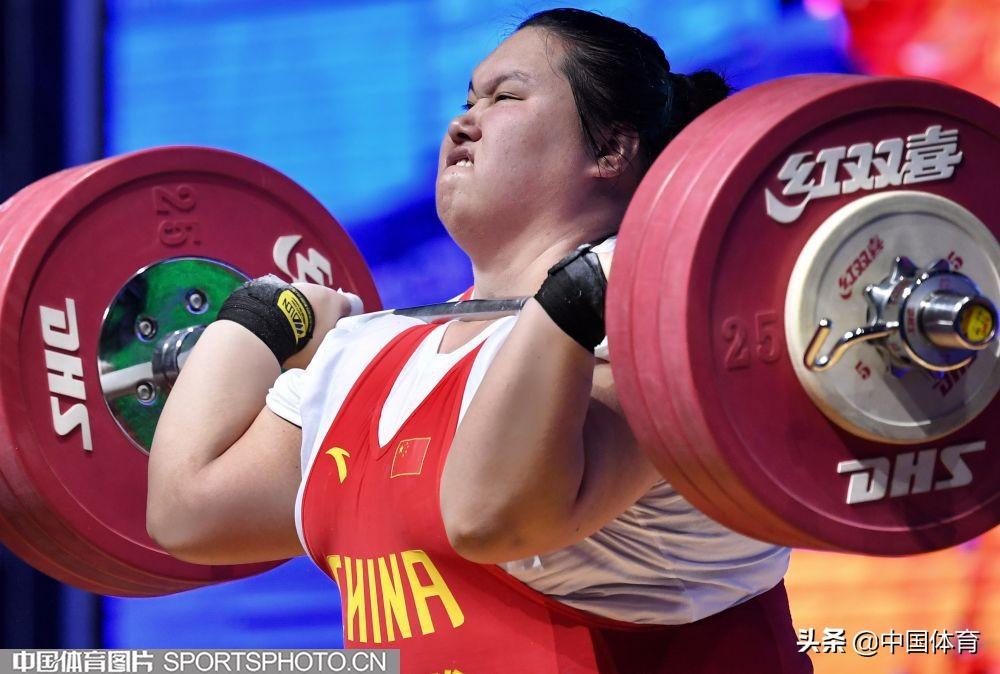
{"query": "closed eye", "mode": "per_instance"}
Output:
(498, 97)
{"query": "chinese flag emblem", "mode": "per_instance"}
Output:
(408, 459)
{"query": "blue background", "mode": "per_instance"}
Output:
(351, 100)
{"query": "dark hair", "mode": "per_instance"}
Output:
(622, 83)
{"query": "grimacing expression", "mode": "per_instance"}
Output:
(517, 153)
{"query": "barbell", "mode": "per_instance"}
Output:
(791, 209)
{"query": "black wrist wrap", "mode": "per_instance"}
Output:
(573, 296)
(275, 311)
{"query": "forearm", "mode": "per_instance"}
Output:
(517, 460)
(220, 391)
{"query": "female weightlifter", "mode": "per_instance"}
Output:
(472, 487)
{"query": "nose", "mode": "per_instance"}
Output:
(464, 127)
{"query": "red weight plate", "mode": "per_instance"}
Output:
(862, 527)
(22, 535)
(644, 235)
(710, 138)
(722, 278)
(8, 223)
(59, 551)
(80, 235)
(711, 135)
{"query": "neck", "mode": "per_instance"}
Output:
(518, 268)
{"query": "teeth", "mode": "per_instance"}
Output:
(464, 162)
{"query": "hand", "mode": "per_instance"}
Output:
(329, 306)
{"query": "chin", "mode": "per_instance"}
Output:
(463, 227)
(453, 207)
(467, 220)
(458, 228)
(443, 203)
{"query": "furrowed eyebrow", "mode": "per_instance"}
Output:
(512, 75)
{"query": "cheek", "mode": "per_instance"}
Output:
(530, 149)
(558, 136)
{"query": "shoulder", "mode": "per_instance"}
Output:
(344, 354)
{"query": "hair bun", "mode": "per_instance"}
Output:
(708, 88)
(692, 95)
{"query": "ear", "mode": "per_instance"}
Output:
(622, 152)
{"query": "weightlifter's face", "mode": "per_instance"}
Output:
(522, 130)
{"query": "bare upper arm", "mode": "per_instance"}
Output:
(239, 508)
(617, 472)
(616, 475)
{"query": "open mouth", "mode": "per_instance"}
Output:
(460, 156)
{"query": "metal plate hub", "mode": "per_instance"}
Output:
(147, 327)
(886, 390)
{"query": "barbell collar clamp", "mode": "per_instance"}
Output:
(817, 363)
